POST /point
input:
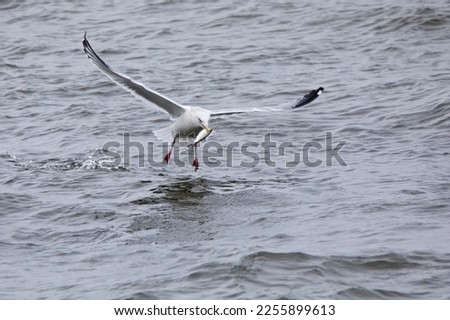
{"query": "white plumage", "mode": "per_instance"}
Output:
(190, 123)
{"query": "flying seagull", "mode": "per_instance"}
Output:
(189, 121)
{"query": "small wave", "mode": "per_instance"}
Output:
(391, 261)
(364, 293)
(14, 202)
(10, 4)
(297, 257)
(142, 296)
(426, 19)
(347, 275)
(436, 116)
(164, 32)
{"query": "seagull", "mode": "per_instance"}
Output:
(188, 121)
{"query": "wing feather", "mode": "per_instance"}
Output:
(137, 89)
(219, 113)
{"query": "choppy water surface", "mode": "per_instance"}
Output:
(74, 224)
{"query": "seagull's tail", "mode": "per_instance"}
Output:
(164, 134)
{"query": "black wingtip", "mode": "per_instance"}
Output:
(308, 98)
(85, 41)
(87, 48)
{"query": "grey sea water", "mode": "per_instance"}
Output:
(76, 225)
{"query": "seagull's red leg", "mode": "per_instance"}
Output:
(195, 163)
(167, 156)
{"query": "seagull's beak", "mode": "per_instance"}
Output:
(202, 135)
(205, 126)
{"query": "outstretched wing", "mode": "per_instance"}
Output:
(219, 113)
(137, 89)
(295, 104)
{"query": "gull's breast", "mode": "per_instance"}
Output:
(187, 125)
